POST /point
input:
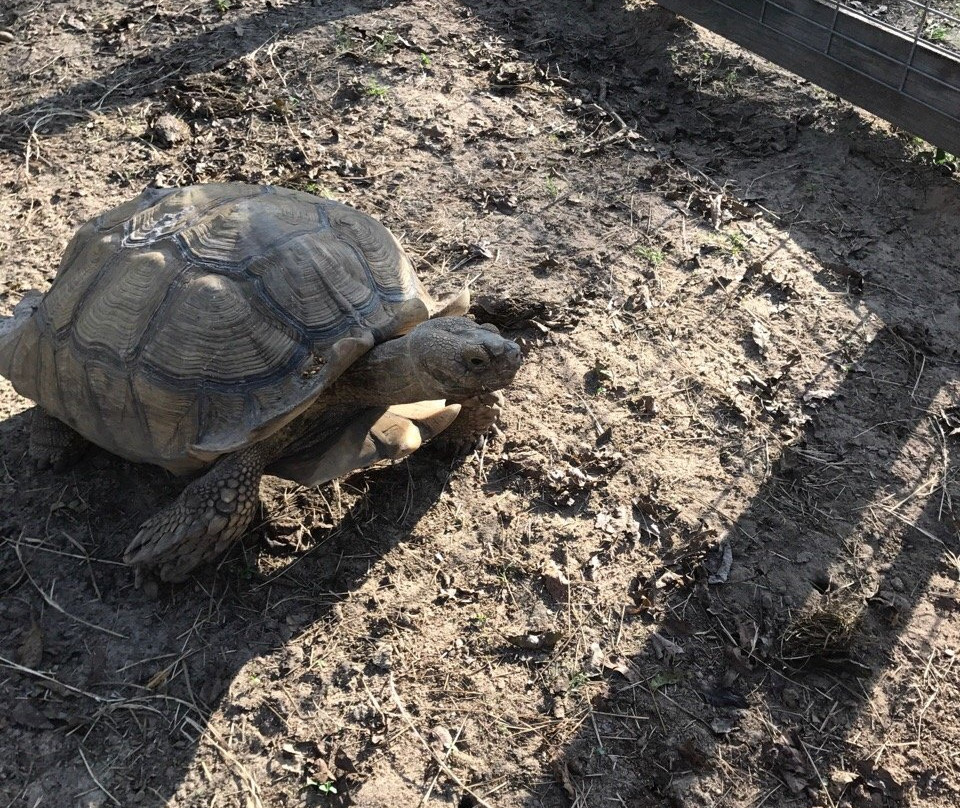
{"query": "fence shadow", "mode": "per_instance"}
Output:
(802, 619)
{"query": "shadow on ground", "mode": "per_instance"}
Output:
(164, 68)
(830, 561)
(223, 618)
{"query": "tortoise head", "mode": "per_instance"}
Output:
(454, 357)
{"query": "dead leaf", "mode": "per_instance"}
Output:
(26, 715)
(623, 666)
(843, 778)
(761, 336)
(643, 604)
(794, 783)
(30, 652)
(665, 648)
(669, 578)
(441, 739)
(595, 663)
(556, 582)
(791, 765)
(562, 771)
(720, 696)
(880, 779)
(320, 771)
(718, 563)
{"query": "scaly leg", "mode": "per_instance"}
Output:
(52, 443)
(209, 515)
(477, 416)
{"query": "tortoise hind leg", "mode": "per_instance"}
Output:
(52, 443)
(209, 515)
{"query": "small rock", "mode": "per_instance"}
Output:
(441, 739)
(6, 37)
(169, 130)
(382, 658)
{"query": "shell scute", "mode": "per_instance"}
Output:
(211, 335)
(92, 257)
(116, 314)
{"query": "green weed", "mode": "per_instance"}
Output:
(652, 255)
(374, 89)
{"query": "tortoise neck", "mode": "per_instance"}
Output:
(385, 375)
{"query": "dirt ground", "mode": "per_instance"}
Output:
(937, 21)
(712, 559)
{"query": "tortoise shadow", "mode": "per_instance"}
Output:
(156, 667)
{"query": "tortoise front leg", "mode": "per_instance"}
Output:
(52, 443)
(478, 415)
(209, 515)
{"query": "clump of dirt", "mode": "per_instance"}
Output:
(712, 556)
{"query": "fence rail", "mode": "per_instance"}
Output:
(894, 73)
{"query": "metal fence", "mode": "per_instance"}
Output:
(904, 70)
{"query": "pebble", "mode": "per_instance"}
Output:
(6, 36)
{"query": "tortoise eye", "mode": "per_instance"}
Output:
(476, 357)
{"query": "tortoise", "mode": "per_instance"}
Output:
(233, 330)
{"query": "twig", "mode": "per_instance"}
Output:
(440, 761)
(916, 527)
(9, 663)
(100, 785)
(242, 773)
(48, 599)
(113, 701)
(433, 782)
(823, 783)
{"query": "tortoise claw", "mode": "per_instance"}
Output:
(478, 416)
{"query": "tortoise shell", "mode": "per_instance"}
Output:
(190, 322)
